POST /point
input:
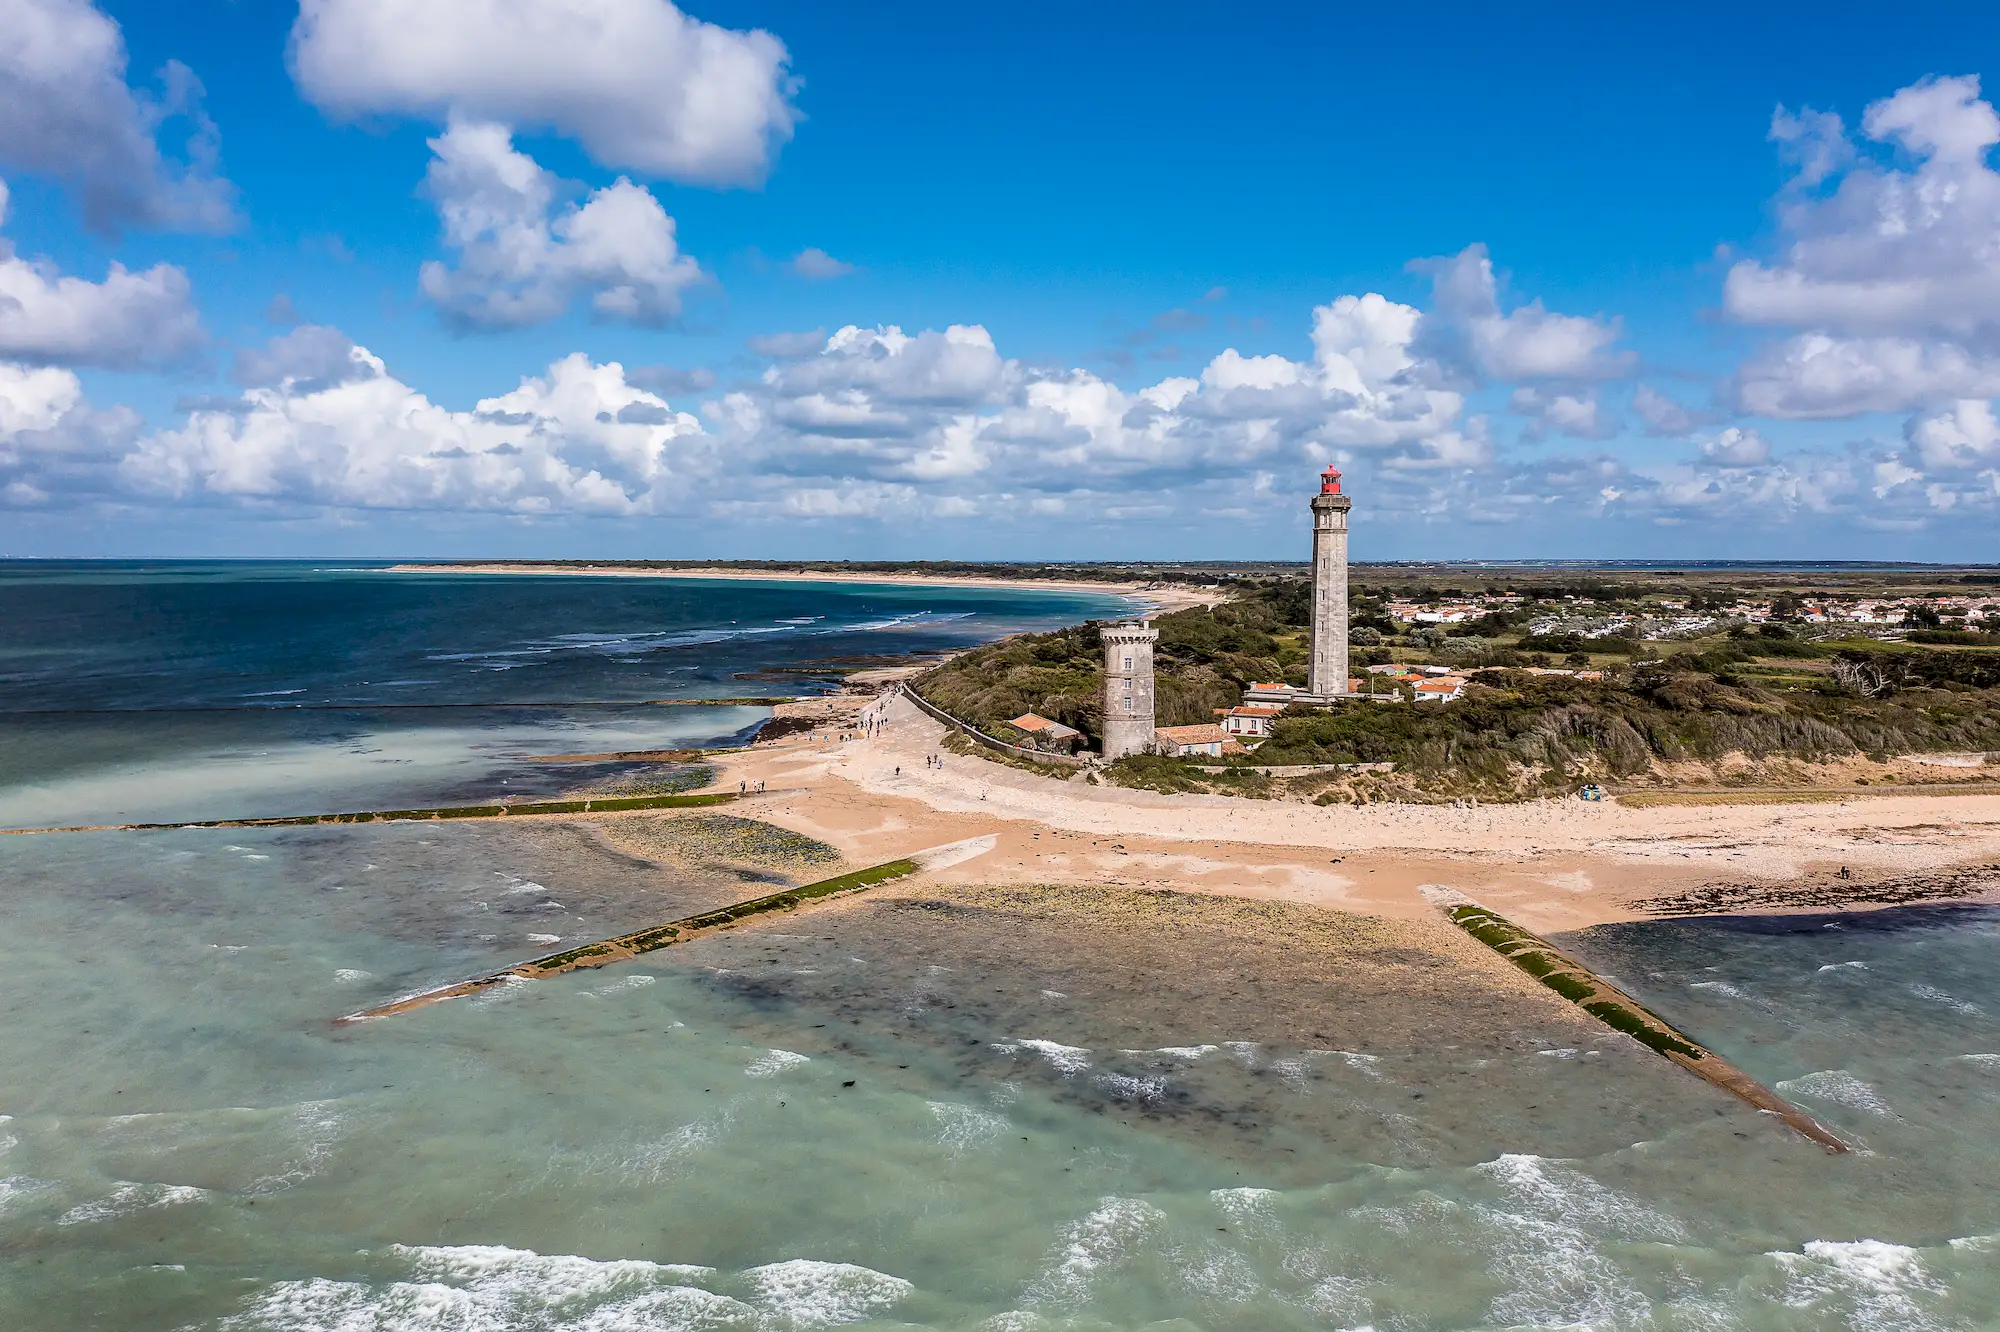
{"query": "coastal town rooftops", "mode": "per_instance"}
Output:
(1253, 710)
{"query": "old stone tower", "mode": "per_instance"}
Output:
(1128, 688)
(1328, 677)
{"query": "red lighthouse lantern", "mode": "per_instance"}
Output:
(1329, 481)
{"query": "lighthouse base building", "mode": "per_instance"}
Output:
(1327, 680)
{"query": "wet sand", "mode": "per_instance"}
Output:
(1250, 1026)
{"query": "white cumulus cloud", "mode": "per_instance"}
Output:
(66, 111)
(1466, 325)
(578, 439)
(129, 321)
(522, 260)
(1737, 447)
(1891, 277)
(54, 447)
(1579, 415)
(640, 84)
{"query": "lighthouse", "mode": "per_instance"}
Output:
(1128, 688)
(1328, 670)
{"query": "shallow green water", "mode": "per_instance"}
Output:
(193, 1144)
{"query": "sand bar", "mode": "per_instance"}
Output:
(1159, 598)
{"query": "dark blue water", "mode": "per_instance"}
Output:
(157, 690)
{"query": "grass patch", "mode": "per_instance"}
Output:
(959, 743)
(573, 955)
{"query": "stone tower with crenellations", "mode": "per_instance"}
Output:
(1128, 688)
(1328, 677)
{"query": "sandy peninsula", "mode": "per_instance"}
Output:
(1553, 865)
(1156, 597)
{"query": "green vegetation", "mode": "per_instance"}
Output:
(1620, 1018)
(713, 838)
(1568, 979)
(1739, 694)
(561, 960)
(964, 744)
(1514, 733)
(1204, 660)
(791, 897)
(1569, 986)
(1169, 776)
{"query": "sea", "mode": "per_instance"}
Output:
(799, 1131)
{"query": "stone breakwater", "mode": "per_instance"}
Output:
(1620, 1011)
(590, 805)
(622, 947)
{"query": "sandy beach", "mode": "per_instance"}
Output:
(1553, 865)
(1158, 597)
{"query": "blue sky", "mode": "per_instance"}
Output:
(1636, 291)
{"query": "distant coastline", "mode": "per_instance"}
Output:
(1157, 597)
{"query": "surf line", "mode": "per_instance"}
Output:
(594, 805)
(654, 937)
(1620, 1011)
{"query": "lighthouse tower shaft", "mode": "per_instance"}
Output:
(1128, 688)
(1329, 601)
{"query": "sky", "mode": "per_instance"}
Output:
(614, 279)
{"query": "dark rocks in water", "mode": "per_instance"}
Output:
(1826, 890)
(777, 728)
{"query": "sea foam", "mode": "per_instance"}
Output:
(1863, 1283)
(773, 1062)
(130, 1198)
(1101, 1241)
(807, 1293)
(1065, 1059)
(1839, 1087)
(960, 1127)
(491, 1288)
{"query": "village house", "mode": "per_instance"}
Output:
(1182, 741)
(1439, 689)
(1045, 734)
(1250, 720)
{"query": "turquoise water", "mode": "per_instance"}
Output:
(789, 1130)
